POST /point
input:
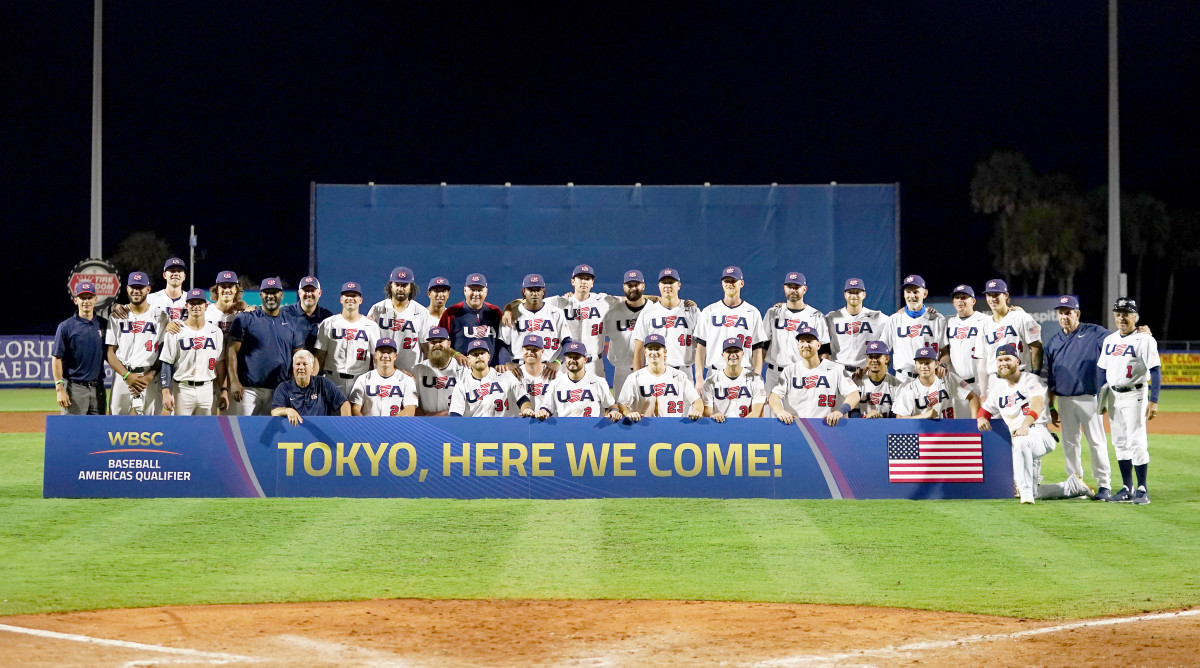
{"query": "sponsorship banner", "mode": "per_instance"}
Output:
(513, 458)
(1180, 368)
(25, 362)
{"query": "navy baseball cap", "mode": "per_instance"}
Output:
(477, 344)
(963, 289)
(585, 269)
(137, 278)
(730, 344)
(477, 279)
(309, 282)
(437, 282)
(1007, 349)
(913, 279)
(1126, 304)
(196, 294)
(270, 284)
(437, 333)
(402, 275)
(533, 281)
(1068, 301)
(533, 341)
(174, 262)
(854, 284)
(575, 348)
(807, 331)
(669, 273)
(732, 272)
(386, 342)
(925, 353)
(351, 286)
(878, 348)
(996, 285)
(655, 339)
(794, 278)
(226, 277)
(634, 276)
(85, 288)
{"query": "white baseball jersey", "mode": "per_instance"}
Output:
(849, 334)
(222, 320)
(408, 327)
(1011, 401)
(781, 324)
(496, 395)
(548, 323)
(905, 334)
(677, 325)
(585, 321)
(961, 335)
(435, 386)
(348, 345)
(619, 324)
(879, 396)
(1127, 360)
(589, 397)
(733, 397)
(719, 322)
(813, 393)
(1016, 327)
(383, 396)
(138, 337)
(949, 396)
(668, 395)
(536, 387)
(194, 353)
(176, 308)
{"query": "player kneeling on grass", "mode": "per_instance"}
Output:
(384, 390)
(485, 392)
(1020, 400)
(810, 388)
(657, 389)
(306, 393)
(578, 393)
(928, 396)
(735, 391)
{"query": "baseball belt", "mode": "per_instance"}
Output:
(86, 383)
(1128, 388)
(340, 375)
(194, 383)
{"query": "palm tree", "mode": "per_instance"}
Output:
(1001, 184)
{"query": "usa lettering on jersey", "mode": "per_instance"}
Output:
(384, 391)
(658, 390)
(809, 382)
(348, 334)
(534, 325)
(960, 333)
(669, 322)
(914, 331)
(854, 327)
(1014, 399)
(482, 391)
(1119, 350)
(137, 327)
(395, 325)
(478, 332)
(439, 382)
(999, 334)
(197, 343)
(730, 321)
(932, 399)
(536, 389)
(581, 313)
(731, 392)
(789, 324)
(574, 396)
(626, 325)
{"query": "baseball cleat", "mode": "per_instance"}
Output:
(1026, 497)
(1122, 496)
(1102, 494)
(1141, 497)
(1085, 490)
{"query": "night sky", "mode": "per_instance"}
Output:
(219, 115)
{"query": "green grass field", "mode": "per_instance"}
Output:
(1057, 559)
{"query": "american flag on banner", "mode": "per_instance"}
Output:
(935, 458)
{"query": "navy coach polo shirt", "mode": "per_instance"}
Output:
(79, 344)
(1071, 360)
(321, 397)
(296, 312)
(265, 358)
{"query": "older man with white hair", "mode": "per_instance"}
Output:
(306, 393)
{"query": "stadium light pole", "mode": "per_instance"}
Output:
(1112, 283)
(96, 248)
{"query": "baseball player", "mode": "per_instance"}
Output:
(133, 344)
(731, 317)
(485, 392)
(308, 310)
(345, 341)
(260, 349)
(931, 397)
(877, 389)
(784, 320)
(474, 319)
(436, 376)
(1071, 358)
(912, 328)
(403, 319)
(78, 357)
(226, 296)
(674, 320)
(962, 330)
(532, 315)
(384, 390)
(578, 393)
(1007, 325)
(619, 324)
(850, 328)
(735, 391)
(657, 389)
(1132, 375)
(533, 370)
(585, 311)
(172, 297)
(194, 363)
(438, 292)
(307, 394)
(810, 387)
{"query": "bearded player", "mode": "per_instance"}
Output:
(851, 327)
(578, 393)
(784, 320)
(810, 387)
(735, 391)
(485, 392)
(437, 376)
(619, 324)
(401, 318)
(385, 390)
